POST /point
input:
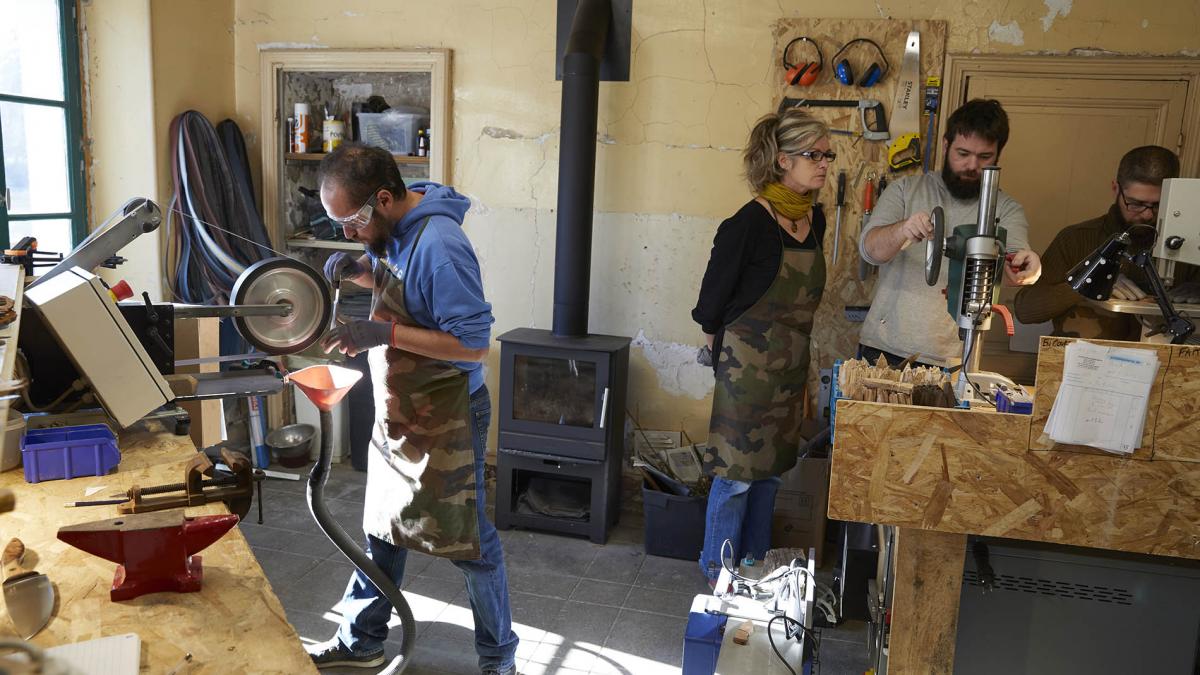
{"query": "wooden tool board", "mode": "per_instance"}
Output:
(834, 336)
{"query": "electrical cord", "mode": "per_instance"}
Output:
(210, 176)
(771, 639)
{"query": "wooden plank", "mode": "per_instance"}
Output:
(929, 570)
(198, 338)
(234, 624)
(1177, 432)
(979, 477)
(834, 336)
(1051, 354)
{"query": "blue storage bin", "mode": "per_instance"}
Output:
(702, 642)
(69, 452)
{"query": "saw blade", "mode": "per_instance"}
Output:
(905, 149)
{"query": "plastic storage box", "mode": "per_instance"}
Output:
(674, 525)
(69, 452)
(394, 130)
(702, 639)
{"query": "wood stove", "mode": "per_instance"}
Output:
(561, 431)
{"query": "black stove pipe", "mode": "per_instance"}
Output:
(577, 165)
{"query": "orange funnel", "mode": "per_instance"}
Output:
(324, 385)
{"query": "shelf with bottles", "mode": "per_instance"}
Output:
(318, 156)
(394, 99)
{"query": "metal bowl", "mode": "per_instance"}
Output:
(290, 444)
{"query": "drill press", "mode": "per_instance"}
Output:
(977, 258)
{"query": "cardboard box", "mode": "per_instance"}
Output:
(799, 520)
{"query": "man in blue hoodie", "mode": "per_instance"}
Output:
(427, 335)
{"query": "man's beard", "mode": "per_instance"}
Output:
(378, 247)
(959, 188)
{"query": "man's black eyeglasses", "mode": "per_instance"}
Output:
(1134, 205)
(818, 155)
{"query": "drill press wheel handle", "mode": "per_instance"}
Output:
(936, 246)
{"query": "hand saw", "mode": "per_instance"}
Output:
(905, 149)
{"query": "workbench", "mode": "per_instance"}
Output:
(939, 475)
(234, 624)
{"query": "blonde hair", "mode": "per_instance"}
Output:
(789, 132)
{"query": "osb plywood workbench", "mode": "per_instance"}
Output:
(939, 475)
(234, 624)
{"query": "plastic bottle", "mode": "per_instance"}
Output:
(304, 126)
(422, 144)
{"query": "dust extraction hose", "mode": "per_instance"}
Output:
(335, 533)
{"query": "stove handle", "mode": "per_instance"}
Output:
(604, 408)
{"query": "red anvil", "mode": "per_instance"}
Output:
(153, 550)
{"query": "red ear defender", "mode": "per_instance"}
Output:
(804, 73)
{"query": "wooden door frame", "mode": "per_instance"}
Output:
(960, 67)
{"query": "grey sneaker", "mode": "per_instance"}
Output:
(509, 671)
(332, 653)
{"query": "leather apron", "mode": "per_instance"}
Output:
(421, 462)
(761, 371)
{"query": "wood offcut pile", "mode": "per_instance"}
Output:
(879, 383)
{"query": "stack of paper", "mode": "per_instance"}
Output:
(1103, 398)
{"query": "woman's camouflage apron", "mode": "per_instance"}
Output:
(421, 464)
(761, 371)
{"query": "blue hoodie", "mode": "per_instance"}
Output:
(443, 289)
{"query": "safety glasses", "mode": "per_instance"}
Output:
(360, 218)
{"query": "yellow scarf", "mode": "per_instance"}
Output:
(789, 203)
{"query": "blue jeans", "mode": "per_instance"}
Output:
(366, 612)
(741, 512)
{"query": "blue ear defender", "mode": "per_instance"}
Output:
(844, 73)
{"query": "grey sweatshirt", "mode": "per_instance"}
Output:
(907, 316)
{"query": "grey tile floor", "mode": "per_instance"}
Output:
(577, 607)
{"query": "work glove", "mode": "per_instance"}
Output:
(357, 336)
(1125, 289)
(1188, 294)
(342, 265)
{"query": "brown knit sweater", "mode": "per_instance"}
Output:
(1051, 299)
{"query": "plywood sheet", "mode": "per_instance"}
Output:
(970, 472)
(834, 336)
(1177, 431)
(925, 602)
(1051, 354)
(235, 624)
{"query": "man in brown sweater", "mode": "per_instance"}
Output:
(1136, 193)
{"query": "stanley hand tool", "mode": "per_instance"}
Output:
(905, 149)
(870, 113)
(28, 596)
(841, 206)
(933, 95)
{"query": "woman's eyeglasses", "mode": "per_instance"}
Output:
(818, 155)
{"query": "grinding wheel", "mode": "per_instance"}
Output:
(282, 280)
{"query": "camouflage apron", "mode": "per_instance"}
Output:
(761, 371)
(421, 463)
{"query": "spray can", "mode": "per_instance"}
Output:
(333, 132)
(289, 138)
(304, 126)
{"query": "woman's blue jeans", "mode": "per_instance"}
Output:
(741, 512)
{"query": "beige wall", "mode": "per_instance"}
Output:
(668, 166)
(147, 61)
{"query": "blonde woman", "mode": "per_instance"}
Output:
(764, 280)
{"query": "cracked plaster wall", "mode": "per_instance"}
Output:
(668, 163)
(146, 61)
